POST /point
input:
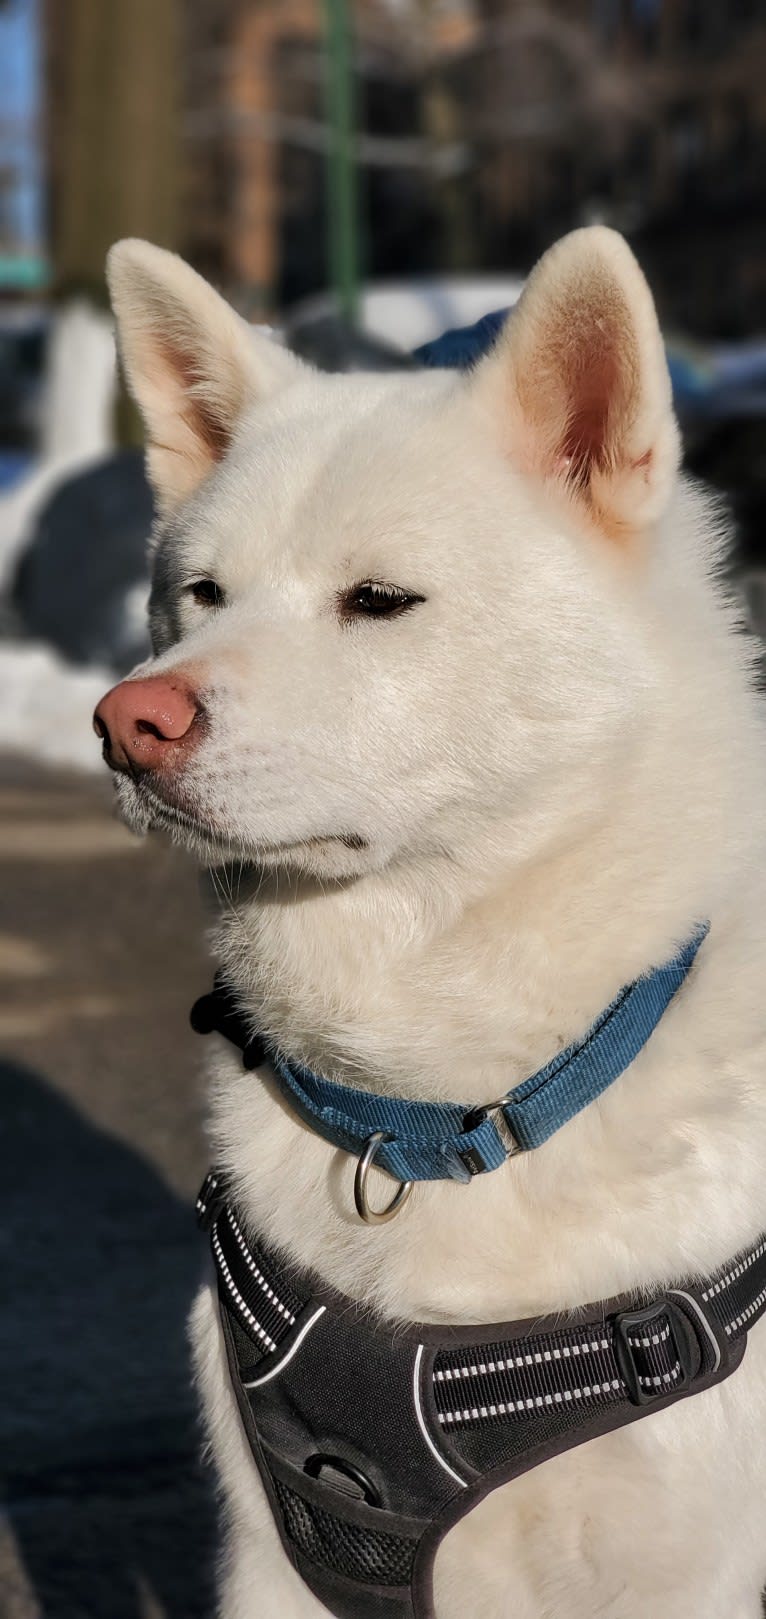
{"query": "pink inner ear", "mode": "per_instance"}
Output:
(579, 384)
(196, 412)
(594, 394)
(578, 378)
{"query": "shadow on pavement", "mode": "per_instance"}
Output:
(111, 1512)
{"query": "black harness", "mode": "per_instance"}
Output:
(373, 1438)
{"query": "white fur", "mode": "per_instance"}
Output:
(549, 772)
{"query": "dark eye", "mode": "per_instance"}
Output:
(375, 600)
(207, 593)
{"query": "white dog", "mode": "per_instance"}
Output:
(445, 681)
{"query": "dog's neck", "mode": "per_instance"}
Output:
(456, 977)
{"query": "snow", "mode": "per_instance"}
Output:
(47, 706)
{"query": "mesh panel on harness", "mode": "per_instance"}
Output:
(368, 1555)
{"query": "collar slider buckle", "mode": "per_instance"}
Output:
(495, 1111)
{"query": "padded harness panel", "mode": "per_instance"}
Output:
(373, 1438)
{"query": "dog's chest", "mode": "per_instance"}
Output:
(665, 1518)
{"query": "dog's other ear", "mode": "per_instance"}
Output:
(190, 362)
(579, 381)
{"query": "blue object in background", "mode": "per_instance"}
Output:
(458, 348)
(13, 464)
(716, 384)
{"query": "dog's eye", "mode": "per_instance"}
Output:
(375, 600)
(207, 593)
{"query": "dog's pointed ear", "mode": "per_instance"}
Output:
(579, 384)
(191, 363)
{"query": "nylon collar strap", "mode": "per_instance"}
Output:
(427, 1141)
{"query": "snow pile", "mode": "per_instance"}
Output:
(48, 705)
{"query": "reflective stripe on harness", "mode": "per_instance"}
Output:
(374, 1438)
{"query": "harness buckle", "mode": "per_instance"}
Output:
(654, 1348)
(363, 1208)
(343, 1476)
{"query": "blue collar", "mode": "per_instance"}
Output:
(425, 1141)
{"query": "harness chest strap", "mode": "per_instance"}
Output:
(374, 1438)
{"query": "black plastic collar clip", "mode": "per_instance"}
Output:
(219, 1013)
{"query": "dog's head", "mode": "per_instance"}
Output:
(389, 611)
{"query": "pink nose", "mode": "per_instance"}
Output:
(147, 724)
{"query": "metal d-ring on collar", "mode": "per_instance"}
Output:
(366, 1159)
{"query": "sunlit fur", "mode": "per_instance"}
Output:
(449, 838)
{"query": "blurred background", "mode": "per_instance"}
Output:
(364, 175)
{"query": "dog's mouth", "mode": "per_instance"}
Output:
(175, 812)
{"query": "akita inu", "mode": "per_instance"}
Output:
(444, 679)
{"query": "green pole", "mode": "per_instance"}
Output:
(342, 222)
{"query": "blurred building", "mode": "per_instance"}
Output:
(640, 104)
(112, 130)
(649, 114)
(485, 127)
(256, 138)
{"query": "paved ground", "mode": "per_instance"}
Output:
(109, 1514)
